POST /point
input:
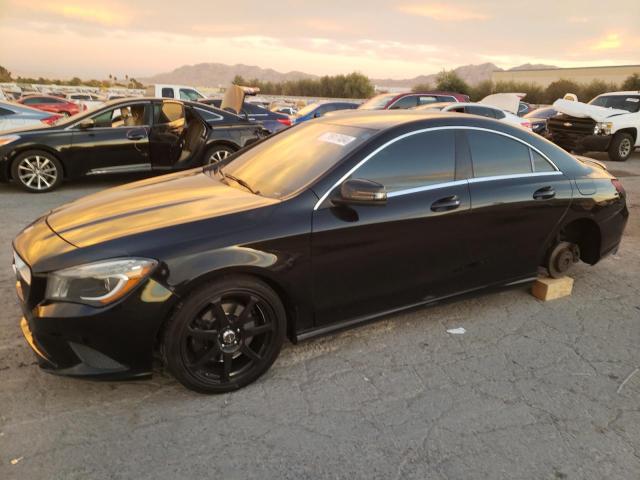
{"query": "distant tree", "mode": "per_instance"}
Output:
(75, 81)
(481, 90)
(451, 82)
(238, 80)
(632, 82)
(5, 75)
(559, 88)
(595, 88)
(422, 87)
(135, 83)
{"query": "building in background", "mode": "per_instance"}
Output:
(545, 76)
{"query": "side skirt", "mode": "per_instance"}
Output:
(325, 330)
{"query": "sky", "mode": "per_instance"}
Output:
(382, 39)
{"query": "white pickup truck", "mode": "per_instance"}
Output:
(608, 123)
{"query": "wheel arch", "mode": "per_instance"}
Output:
(258, 273)
(631, 131)
(222, 142)
(585, 232)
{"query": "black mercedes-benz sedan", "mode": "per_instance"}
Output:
(320, 227)
(130, 135)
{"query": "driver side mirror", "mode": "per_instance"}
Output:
(86, 123)
(358, 191)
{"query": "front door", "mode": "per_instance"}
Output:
(518, 199)
(167, 134)
(368, 259)
(118, 141)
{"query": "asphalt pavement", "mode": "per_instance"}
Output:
(531, 390)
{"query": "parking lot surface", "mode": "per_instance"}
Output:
(531, 390)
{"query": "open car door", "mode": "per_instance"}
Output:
(166, 136)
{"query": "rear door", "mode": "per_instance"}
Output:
(518, 197)
(117, 142)
(166, 137)
(369, 259)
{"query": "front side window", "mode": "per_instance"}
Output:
(482, 111)
(493, 154)
(189, 94)
(127, 116)
(418, 160)
(167, 92)
(409, 101)
(32, 100)
(426, 99)
(378, 102)
(5, 112)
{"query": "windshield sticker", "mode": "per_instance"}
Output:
(634, 100)
(336, 138)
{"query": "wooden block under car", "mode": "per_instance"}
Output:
(546, 288)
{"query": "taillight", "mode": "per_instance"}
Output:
(618, 186)
(526, 125)
(285, 121)
(52, 119)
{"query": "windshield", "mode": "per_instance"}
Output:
(377, 103)
(287, 162)
(308, 109)
(630, 103)
(541, 113)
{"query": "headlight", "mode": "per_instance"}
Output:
(21, 269)
(603, 128)
(98, 283)
(5, 139)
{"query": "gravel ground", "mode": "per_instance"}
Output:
(532, 390)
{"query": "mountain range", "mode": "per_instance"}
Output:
(220, 74)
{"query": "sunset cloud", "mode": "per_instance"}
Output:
(443, 12)
(611, 41)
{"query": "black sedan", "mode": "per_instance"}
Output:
(320, 227)
(539, 118)
(131, 135)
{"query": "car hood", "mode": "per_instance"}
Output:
(505, 101)
(583, 110)
(148, 205)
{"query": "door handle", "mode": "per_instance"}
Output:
(544, 193)
(446, 203)
(136, 135)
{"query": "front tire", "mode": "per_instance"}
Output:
(37, 171)
(225, 335)
(621, 147)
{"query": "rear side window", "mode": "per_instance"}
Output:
(168, 112)
(167, 92)
(409, 101)
(540, 164)
(189, 94)
(426, 99)
(32, 100)
(493, 154)
(252, 109)
(417, 160)
(4, 112)
(482, 111)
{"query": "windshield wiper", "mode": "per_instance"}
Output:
(239, 181)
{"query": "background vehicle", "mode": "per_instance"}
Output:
(286, 110)
(87, 101)
(318, 109)
(539, 118)
(272, 121)
(404, 101)
(131, 135)
(181, 92)
(608, 123)
(49, 103)
(13, 115)
(215, 264)
(479, 109)
(523, 109)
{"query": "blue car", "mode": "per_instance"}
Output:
(272, 121)
(318, 109)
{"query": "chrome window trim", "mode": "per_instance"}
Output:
(425, 188)
(513, 175)
(433, 129)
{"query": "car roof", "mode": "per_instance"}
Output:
(385, 119)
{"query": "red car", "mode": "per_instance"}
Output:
(52, 104)
(395, 101)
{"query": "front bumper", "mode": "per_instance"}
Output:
(587, 143)
(113, 342)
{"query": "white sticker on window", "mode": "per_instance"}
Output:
(336, 138)
(634, 100)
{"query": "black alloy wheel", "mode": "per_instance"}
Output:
(225, 335)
